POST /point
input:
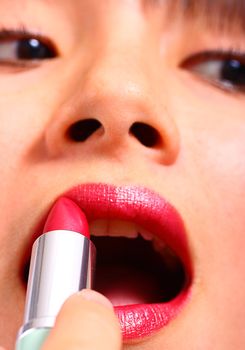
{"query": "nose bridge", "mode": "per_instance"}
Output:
(114, 78)
(117, 86)
(120, 55)
(118, 79)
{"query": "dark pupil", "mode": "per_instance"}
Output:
(33, 49)
(233, 71)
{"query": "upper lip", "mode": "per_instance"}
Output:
(138, 204)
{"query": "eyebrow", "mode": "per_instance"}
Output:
(219, 14)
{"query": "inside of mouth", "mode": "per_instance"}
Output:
(131, 271)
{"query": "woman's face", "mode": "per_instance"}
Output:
(102, 67)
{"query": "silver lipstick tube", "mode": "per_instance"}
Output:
(62, 263)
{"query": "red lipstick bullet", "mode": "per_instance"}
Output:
(66, 215)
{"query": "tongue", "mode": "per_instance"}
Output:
(125, 285)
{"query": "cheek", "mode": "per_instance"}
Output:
(212, 134)
(22, 123)
(212, 162)
(214, 154)
(222, 171)
(218, 151)
(213, 171)
(24, 116)
(27, 101)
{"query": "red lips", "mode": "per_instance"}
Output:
(155, 214)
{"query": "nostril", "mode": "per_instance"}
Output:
(145, 134)
(82, 129)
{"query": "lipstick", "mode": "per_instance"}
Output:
(62, 263)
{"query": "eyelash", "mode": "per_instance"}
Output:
(197, 62)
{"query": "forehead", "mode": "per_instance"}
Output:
(218, 13)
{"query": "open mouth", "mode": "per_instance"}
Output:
(133, 267)
(143, 262)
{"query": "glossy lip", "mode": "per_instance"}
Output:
(155, 214)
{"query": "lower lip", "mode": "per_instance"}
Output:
(142, 320)
(139, 320)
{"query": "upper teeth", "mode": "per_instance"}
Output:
(117, 228)
(120, 228)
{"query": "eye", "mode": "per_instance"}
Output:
(21, 47)
(224, 69)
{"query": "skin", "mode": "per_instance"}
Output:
(121, 63)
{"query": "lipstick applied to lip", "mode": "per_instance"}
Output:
(62, 263)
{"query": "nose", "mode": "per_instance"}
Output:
(115, 105)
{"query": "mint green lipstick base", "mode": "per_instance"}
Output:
(32, 339)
